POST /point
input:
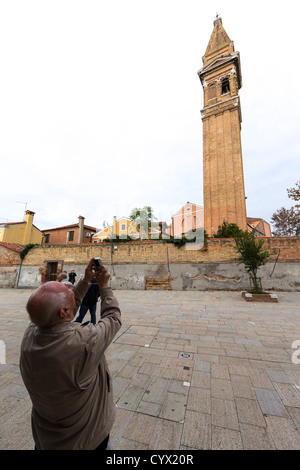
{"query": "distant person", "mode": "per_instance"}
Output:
(72, 276)
(63, 365)
(62, 277)
(89, 302)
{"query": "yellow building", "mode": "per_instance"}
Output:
(125, 229)
(119, 228)
(21, 233)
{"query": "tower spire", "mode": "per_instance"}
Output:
(219, 43)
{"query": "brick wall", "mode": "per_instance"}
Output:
(152, 265)
(285, 248)
(9, 266)
(157, 252)
(9, 257)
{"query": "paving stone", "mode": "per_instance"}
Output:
(294, 413)
(226, 439)
(128, 371)
(260, 379)
(202, 366)
(141, 428)
(222, 330)
(156, 390)
(166, 372)
(224, 414)
(196, 431)
(148, 368)
(133, 394)
(119, 386)
(143, 330)
(148, 408)
(201, 379)
(123, 418)
(256, 438)
(283, 433)
(128, 338)
(220, 371)
(235, 361)
(128, 444)
(213, 359)
(242, 387)
(177, 386)
(166, 435)
(199, 399)
(278, 376)
(270, 402)
(289, 394)
(221, 388)
(249, 342)
(213, 351)
(174, 407)
(249, 412)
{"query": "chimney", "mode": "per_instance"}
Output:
(28, 227)
(80, 225)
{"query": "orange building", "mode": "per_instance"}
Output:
(189, 217)
(261, 227)
(69, 234)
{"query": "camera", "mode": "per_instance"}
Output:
(98, 263)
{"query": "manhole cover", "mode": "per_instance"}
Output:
(186, 355)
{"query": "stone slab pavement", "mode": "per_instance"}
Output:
(191, 370)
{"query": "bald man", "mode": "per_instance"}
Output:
(63, 365)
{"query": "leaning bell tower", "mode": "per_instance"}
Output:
(223, 178)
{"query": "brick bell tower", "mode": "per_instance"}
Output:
(223, 178)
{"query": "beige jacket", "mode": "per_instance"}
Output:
(65, 372)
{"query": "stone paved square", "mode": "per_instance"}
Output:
(191, 370)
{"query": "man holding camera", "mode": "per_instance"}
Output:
(63, 365)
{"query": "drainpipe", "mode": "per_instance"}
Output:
(19, 273)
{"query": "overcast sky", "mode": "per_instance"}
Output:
(100, 105)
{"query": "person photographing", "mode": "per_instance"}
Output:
(64, 368)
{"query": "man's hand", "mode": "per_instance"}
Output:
(90, 271)
(102, 277)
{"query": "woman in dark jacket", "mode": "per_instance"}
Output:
(89, 302)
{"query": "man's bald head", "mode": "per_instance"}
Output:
(47, 304)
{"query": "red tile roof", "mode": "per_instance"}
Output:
(13, 246)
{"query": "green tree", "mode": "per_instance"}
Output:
(227, 230)
(141, 218)
(287, 221)
(253, 254)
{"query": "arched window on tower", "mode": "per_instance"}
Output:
(225, 86)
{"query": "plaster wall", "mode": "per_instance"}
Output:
(208, 276)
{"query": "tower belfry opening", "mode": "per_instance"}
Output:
(223, 178)
(225, 86)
